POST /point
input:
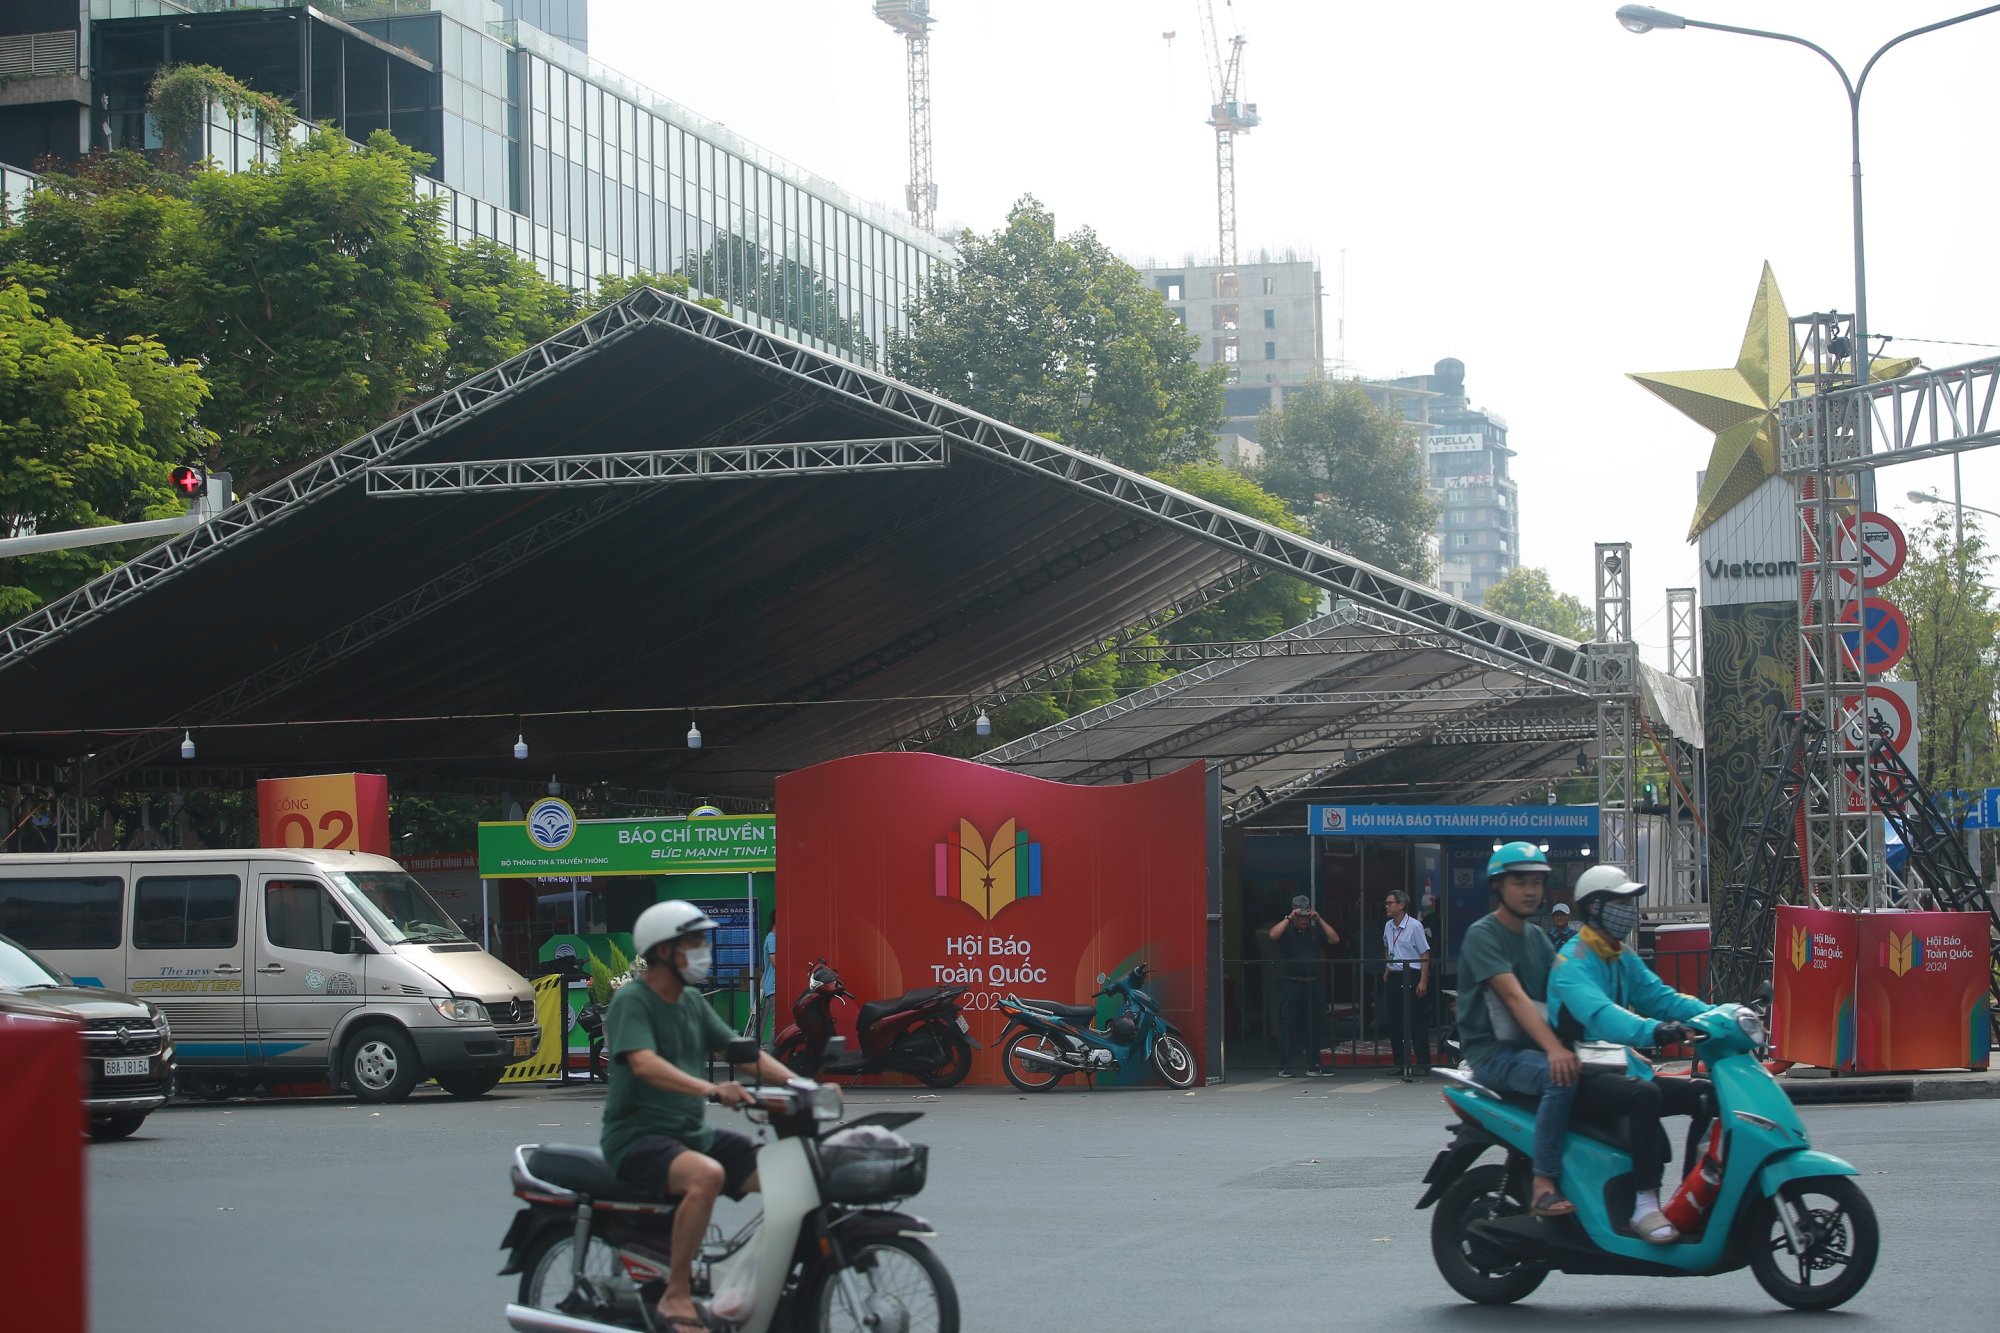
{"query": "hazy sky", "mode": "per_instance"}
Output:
(1524, 186)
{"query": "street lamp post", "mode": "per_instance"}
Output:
(1644, 18)
(1958, 508)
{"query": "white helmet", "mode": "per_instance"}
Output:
(1603, 882)
(667, 921)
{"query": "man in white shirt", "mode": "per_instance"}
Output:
(1407, 969)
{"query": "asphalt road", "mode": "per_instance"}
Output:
(1261, 1205)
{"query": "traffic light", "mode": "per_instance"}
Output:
(189, 479)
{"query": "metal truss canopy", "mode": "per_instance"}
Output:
(1920, 415)
(659, 466)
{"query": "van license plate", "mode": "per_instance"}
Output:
(125, 1068)
(523, 1047)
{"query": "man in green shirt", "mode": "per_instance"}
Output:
(660, 1033)
(1503, 973)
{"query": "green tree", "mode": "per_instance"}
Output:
(1954, 656)
(88, 431)
(1059, 336)
(1527, 595)
(499, 306)
(1272, 604)
(1353, 471)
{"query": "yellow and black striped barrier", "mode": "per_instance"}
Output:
(546, 1065)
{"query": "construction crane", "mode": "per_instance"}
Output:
(1230, 116)
(912, 18)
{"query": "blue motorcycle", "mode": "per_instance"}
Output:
(1795, 1216)
(1045, 1040)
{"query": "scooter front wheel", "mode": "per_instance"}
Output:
(1032, 1061)
(1173, 1062)
(901, 1283)
(1474, 1268)
(1841, 1243)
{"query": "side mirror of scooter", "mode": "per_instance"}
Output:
(1101, 978)
(742, 1052)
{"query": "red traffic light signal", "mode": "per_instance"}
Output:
(189, 481)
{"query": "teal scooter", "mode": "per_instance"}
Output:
(1795, 1216)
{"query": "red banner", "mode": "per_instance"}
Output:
(41, 1124)
(1812, 1002)
(338, 812)
(908, 870)
(1923, 990)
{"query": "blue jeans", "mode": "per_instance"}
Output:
(1526, 1070)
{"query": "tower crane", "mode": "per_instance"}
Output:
(912, 18)
(1230, 116)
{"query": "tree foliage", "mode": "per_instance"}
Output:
(1059, 336)
(1272, 604)
(1527, 595)
(1353, 471)
(88, 431)
(1954, 656)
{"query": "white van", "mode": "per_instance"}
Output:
(279, 965)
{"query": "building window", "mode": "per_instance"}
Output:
(1171, 288)
(1270, 318)
(1270, 286)
(1459, 539)
(1270, 351)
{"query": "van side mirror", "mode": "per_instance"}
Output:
(742, 1052)
(346, 939)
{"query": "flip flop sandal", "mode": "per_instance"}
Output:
(1551, 1203)
(1655, 1229)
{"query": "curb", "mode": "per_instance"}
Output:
(1826, 1091)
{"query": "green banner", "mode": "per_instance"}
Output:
(553, 841)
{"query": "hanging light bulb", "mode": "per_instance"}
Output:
(555, 788)
(521, 746)
(1348, 755)
(694, 734)
(187, 745)
(982, 725)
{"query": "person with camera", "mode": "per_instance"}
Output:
(661, 1032)
(1302, 936)
(1601, 990)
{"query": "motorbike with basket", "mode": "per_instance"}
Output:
(829, 1251)
(1045, 1041)
(1755, 1193)
(922, 1033)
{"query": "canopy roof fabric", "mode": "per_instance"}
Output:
(801, 557)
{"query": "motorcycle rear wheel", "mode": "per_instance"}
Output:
(900, 1274)
(1844, 1244)
(792, 1054)
(1031, 1077)
(546, 1280)
(957, 1062)
(1479, 1194)
(1173, 1062)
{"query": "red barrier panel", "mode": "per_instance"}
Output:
(908, 870)
(1812, 1003)
(41, 1141)
(1923, 991)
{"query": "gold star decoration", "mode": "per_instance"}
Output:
(1740, 404)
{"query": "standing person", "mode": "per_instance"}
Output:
(1561, 929)
(1407, 948)
(1302, 937)
(767, 996)
(661, 1032)
(1503, 984)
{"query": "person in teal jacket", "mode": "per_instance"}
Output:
(1601, 990)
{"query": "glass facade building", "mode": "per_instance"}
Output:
(539, 148)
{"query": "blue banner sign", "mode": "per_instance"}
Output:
(1452, 821)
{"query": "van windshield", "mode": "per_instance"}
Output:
(396, 906)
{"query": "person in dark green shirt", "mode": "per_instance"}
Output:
(1503, 975)
(660, 1032)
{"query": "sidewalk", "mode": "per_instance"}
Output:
(1818, 1087)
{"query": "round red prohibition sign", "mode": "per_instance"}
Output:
(1891, 709)
(1883, 548)
(1883, 637)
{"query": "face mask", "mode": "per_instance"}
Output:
(1618, 920)
(698, 959)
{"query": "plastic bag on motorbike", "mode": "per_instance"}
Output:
(870, 1164)
(735, 1298)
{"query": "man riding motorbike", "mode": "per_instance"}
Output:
(659, 1034)
(1601, 990)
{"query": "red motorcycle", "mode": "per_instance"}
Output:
(920, 1033)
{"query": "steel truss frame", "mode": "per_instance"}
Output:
(1919, 415)
(1614, 684)
(660, 466)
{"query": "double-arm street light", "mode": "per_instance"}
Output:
(1644, 18)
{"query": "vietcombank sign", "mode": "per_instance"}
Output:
(553, 841)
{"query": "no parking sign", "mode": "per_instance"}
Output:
(1883, 636)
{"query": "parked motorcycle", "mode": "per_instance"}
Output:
(828, 1251)
(1757, 1194)
(1045, 1041)
(921, 1033)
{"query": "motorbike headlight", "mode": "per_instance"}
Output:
(827, 1103)
(460, 1011)
(1752, 1027)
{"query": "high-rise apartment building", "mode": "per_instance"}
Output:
(1466, 453)
(534, 144)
